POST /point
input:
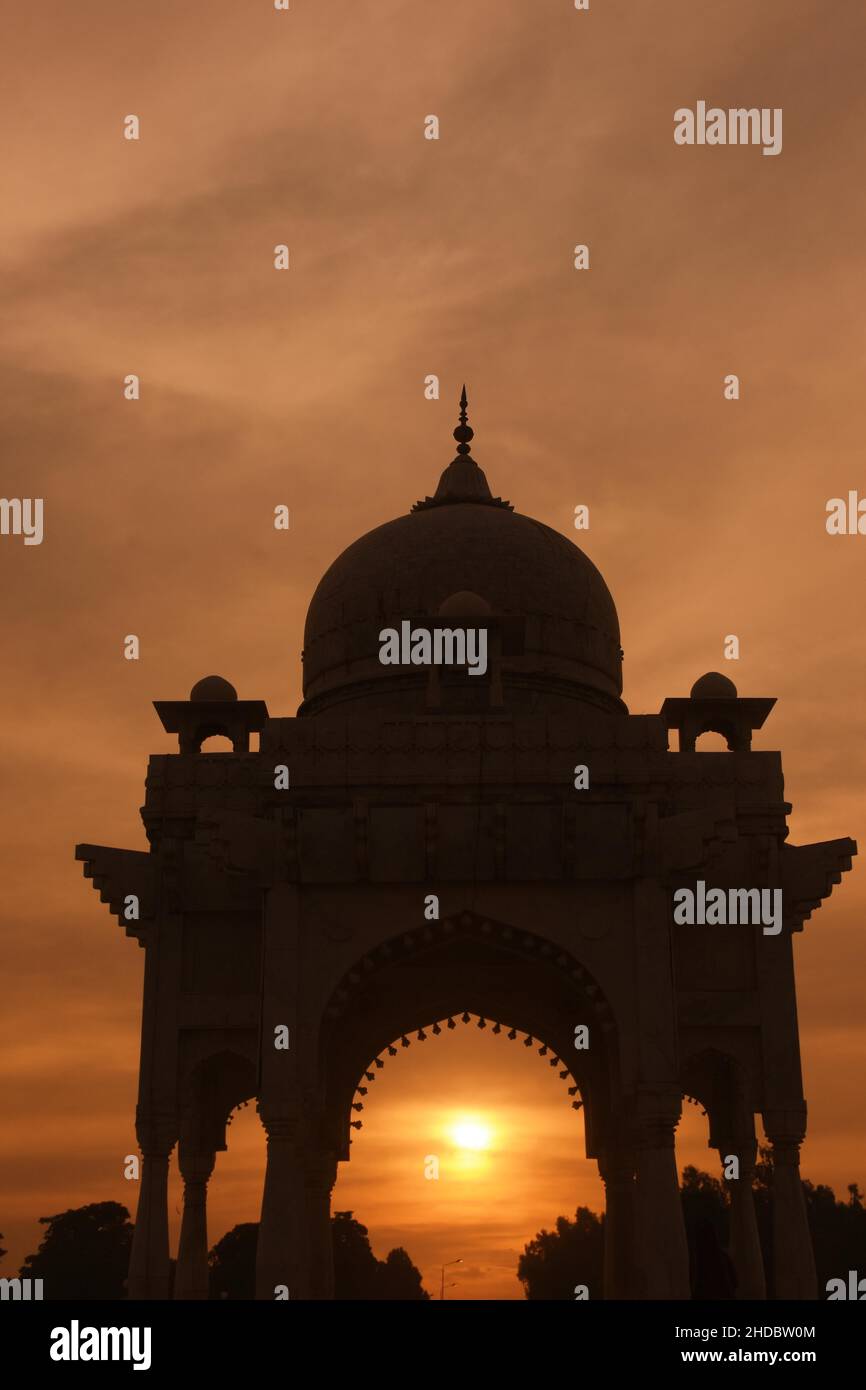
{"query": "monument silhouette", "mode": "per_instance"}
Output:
(419, 843)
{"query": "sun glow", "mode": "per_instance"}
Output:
(469, 1132)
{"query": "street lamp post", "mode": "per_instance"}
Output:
(442, 1284)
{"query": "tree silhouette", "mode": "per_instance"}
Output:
(356, 1268)
(357, 1272)
(84, 1253)
(704, 1199)
(233, 1263)
(705, 1215)
(838, 1228)
(838, 1232)
(398, 1278)
(556, 1261)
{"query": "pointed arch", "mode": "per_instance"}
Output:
(475, 965)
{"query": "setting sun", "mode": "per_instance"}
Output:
(471, 1133)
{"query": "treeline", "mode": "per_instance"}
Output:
(573, 1252)
(84, 1254)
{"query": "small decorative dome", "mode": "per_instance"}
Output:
(211, 689)
(714, 686)
(464, 604)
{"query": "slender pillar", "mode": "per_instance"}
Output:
(191, 1274)
(662, 1253)
(148, 1262)
(282, 1260)
(282, 1264)
(321, 1175)
(744, 1243)
(794, 1274)
(617, 1169)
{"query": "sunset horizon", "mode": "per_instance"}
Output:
(447, 435)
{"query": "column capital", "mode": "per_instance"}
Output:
(320, 1172)
(786, 1153)
(281, 1122)
(657, 1112)
(786, 1127)
(617, 1166)
(156, 1132)
(196, 1165)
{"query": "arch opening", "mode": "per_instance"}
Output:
(477, 968)
(714, 741)
(215, 742)
(469, 1149)
(565, 1068)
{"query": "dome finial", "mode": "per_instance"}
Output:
(464, 432)
(463, 480)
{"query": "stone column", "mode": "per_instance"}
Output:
(744, 1243)
(148, 1261)
(794, 1274)
(191, 1274)
(662, 1253)
(282, 1258)
(617, 1169)
(321, 1174)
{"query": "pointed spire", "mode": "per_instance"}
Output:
(464, 433)
(463, 480)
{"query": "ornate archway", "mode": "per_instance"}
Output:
(283, 892)
(514, 981)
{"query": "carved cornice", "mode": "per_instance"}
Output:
(118, 873)
(809, 873)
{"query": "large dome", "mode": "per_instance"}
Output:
(559, 632)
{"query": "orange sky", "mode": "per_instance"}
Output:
(604, 387)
